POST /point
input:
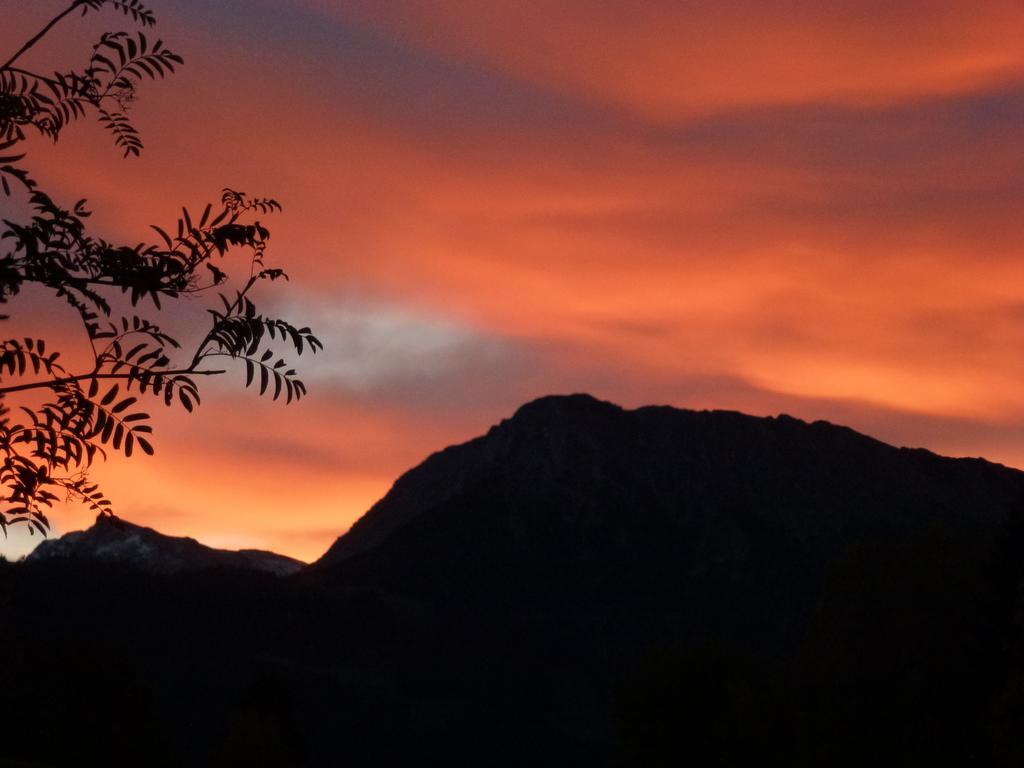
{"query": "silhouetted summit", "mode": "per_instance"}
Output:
(592, 491)
(116, 541)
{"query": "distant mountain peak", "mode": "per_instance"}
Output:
(114, 540)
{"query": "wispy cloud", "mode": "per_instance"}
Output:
(377, 348)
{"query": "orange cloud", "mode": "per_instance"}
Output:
(813, 208)
(666, 60)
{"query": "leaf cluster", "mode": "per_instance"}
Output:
(48, 446)
(106, 86)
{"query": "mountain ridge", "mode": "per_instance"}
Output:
(545, 424)
(114, 540)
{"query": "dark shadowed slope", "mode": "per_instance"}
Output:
(116, 541)
(585, 487)
(583, 585)
(566, 466)
(729, 586)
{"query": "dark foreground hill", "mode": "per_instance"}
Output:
(583, 585)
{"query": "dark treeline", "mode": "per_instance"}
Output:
(911, 657)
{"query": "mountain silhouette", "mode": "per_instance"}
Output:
(576, 472)
(575, 492)
(583, 585)
(116, 541)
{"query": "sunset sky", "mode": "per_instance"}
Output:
(814, 208)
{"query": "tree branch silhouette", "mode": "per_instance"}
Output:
(41, 34)
(49, 448)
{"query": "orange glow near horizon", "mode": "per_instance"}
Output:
(813, 209)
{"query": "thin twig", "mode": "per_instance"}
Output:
(41, 34)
